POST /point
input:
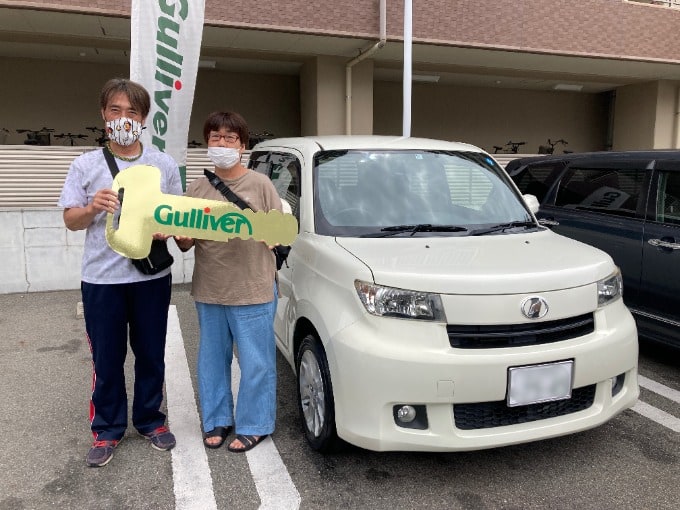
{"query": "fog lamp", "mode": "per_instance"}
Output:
(410, 416)
(406, 414)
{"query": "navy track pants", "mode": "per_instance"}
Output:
(111, 311)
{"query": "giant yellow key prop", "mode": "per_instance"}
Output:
(145, 210)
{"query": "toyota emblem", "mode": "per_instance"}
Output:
(534, 307)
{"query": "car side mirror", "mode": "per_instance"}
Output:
(532, 202)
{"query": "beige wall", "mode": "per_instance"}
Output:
(268, 102)
(65, 96)
(330, 90)
(362, 99)
(635, 117)
(647, 116)
(486, 117)
(323, 97)
(308, 98)
(666, 126)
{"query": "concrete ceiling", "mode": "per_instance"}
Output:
(100, 39)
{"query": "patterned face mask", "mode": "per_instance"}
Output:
(124, 131)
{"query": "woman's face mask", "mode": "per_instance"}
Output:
(124, 131)
(224, 157)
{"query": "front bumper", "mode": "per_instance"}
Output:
(378, 363)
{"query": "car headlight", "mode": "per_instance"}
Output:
(610, 289)
(404, 304)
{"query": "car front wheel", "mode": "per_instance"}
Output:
(315, 396)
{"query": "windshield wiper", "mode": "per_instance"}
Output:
(503, 227)
(421, 227)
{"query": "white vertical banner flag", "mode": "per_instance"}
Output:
(166, 45)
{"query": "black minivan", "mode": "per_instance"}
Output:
(627, 204)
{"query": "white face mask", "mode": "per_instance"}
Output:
(124, 131)
(224, 157)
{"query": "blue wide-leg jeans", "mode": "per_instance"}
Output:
(251, 329)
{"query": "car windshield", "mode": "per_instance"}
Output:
(392, 193)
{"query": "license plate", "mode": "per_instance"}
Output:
(534, 384)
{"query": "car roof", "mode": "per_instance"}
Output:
(516, 165)
(341, 142)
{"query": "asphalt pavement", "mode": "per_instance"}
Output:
(46, 370)
(631, 462)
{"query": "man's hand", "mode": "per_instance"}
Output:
(105, 200)
(184, 243)
(79, 218)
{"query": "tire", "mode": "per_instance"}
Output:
(315, 396)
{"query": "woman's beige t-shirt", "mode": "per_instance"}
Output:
(237, 272)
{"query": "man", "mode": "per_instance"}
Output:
(116, 295)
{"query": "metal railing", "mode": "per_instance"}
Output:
(32, 176)
(673, 4)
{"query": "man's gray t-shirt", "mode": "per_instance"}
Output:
(89, 173)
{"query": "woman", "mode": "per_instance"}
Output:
(234, 286)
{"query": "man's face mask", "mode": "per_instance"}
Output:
(124, 131)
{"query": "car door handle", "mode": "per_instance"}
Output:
(548, 223)
(664, 244)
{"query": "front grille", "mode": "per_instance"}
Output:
(484, 415)
(515, 335)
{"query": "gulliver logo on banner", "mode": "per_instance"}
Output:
(166, 42)
(168, 75)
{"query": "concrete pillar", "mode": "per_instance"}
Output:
(323, 96)
(646, 116)
(666, 127)
(308, 98)
(362, 98)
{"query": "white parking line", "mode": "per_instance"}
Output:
(657, 415)
(651, 412)
(190, 470)
(272, 481)
(659, 388)
(192, 480)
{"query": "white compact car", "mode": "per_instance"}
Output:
(424, 308)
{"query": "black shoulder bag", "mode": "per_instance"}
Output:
(159, 257)
(280, 252)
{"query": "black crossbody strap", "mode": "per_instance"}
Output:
(113, 167)
(280, 252)
(225, 190)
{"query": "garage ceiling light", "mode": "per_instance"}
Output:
(568, 86)
(431, 78)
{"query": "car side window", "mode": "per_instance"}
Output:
(605, 190)
(285, 175)
(259, 161)
(535, 179)
(668, 204)
(284, 171)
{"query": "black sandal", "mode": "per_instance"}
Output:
(221, 432)
(249, 442)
